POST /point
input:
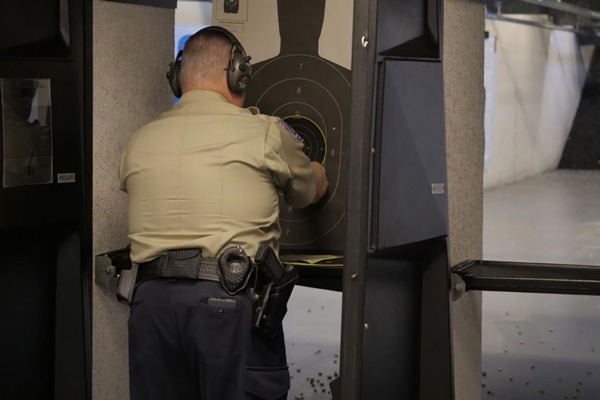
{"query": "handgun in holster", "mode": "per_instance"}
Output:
(272, 292)
(115, 269)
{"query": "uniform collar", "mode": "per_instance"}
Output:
(207, 95)
(193, 95)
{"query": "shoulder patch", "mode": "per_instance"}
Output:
(292, 131)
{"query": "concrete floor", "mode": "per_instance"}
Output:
(541, 345)
(313, 329)
(534, 345)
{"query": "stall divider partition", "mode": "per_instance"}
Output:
(45, 192)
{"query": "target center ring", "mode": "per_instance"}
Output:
(315, 143)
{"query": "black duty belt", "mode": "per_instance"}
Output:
(184, 264)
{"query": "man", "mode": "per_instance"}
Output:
(207, 175)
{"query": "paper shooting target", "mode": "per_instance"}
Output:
(312, 95)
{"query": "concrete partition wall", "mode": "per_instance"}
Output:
(464, 98)
(132, 46)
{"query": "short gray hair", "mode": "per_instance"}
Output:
(205, 58)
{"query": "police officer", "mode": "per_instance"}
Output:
(207, 175)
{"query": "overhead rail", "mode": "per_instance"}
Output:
(505, 18)
(565, 7)
(589, 34)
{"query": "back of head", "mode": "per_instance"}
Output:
(205, 60)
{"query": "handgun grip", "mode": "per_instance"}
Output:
(269, 263)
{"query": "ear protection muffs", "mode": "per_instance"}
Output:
(173, 75)
(239, 69)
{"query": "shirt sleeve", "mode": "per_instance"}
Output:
(290, 167)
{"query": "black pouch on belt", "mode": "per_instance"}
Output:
(234, 269)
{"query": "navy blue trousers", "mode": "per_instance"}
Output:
(190, 340)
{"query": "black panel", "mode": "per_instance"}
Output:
(409, 29)
(48, 203)
(42, 334)
(406, 327)
(390, 350)
(355, 251)
(59, 200)
(45, 224)
(407, 349)
(34, 28)
(410, 194)
(71, 358)
(329, 278)
(28, 287)
(153, 3)
(435, 345)
(582, 150)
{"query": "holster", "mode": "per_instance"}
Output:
(275, 285)
(127, 283)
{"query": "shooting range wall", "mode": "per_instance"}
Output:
(464, 99)
(133, 46)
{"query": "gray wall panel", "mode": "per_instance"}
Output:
(464, 97)
(132, 47)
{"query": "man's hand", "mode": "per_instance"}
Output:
(322, 182)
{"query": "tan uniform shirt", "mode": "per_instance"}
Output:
(207, 174)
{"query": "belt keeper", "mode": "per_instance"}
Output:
(163, 261)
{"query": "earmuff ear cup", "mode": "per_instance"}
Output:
(174, 75)
(239, 72)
